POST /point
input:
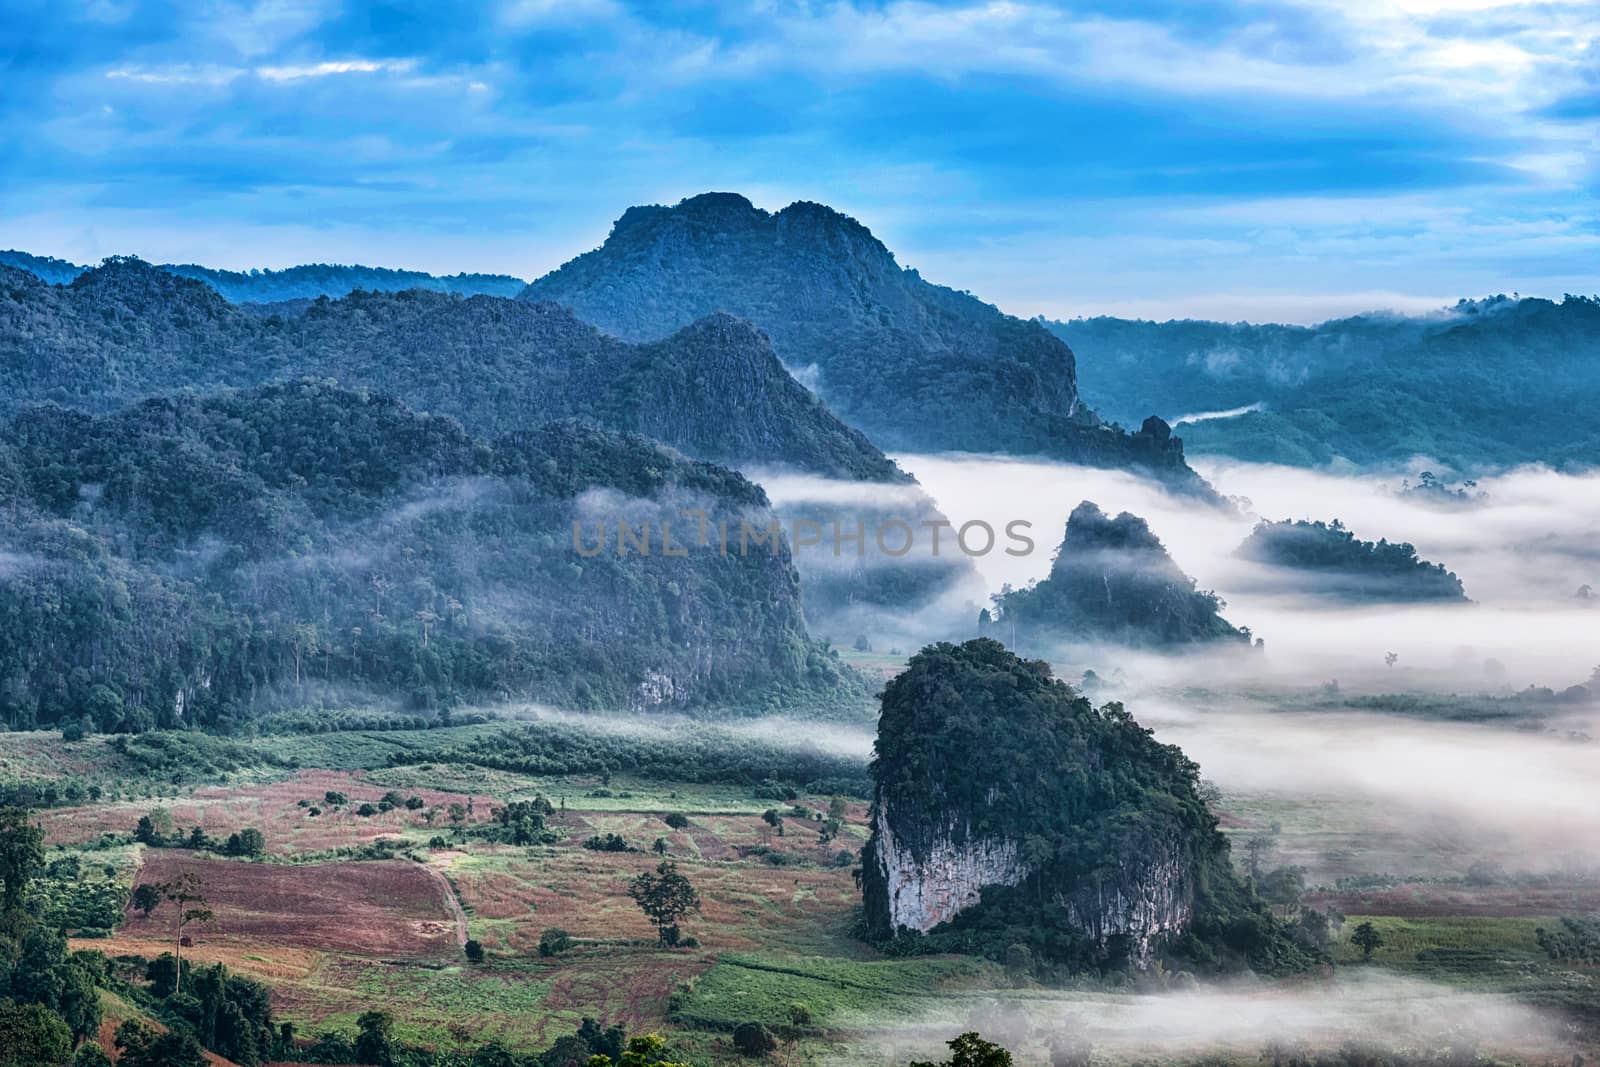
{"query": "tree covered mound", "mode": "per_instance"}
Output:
(1112, 580)
(193, 560)
(918, 366)
(1484, 385)
(975, 743)
(127, 330)
(1328, 559)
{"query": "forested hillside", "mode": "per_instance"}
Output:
(1010, 811)
(1328, 559)
(1487, 384)
(305, 282)
(195, 560)
(128, 330)
(917, 366)
(1112, 580)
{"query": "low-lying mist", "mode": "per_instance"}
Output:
(1372, 1009)
(1523, 551)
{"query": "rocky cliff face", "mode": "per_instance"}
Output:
(1146, 897)
(946, 880)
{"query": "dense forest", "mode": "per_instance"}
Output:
(918, 366)
(194, 560)
(976, 744)
(1486, 384)
(714, 390)
(1334, 562)
(1111, 580)
(305, 282)
(127, 330)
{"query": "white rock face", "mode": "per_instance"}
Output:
(951, 879)
(1148, 897)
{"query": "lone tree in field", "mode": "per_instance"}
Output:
(1367, 939)
(665, 896)
(184, 892)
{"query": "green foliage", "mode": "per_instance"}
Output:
(139, 1045)
(665, 897)
(753, 1039)
(33, 1036)
(971, 1050)
(360, 545)
(975, 744)
(707, 754)
(1577, 941)
(554, 941)
(1367, 938)
(1343, 566)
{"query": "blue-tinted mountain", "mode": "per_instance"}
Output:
(1485, 385)
(306, 282)
(917, 366)
(1112, 581)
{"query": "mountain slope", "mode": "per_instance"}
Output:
(917, 366)
(195, 560)
(714, 389)
(1112, 580)
(306, 282)
(1488, 384)
(127, 330)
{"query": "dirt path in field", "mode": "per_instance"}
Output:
(450, 902)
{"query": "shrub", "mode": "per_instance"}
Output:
(554, 941)
(474, 950)
(753, 1039)
(677, 820)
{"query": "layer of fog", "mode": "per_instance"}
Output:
(1365, 1007)
(778, 731)
(1266, 722)
(1522, 552)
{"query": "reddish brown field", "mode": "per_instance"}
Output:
(374, 908)
(745, 903)
(273, 809)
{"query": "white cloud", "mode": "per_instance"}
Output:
(343, 66)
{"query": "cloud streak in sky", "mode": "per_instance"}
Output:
(1275, 160)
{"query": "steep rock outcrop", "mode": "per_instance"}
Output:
(1007, 808)
(1112, 580)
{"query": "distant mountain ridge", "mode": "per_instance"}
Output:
(715, 390)
(305, 282)
(1485, 385)
(916, 366)
(127, 330)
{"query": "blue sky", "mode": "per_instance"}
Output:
(1262, 160)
